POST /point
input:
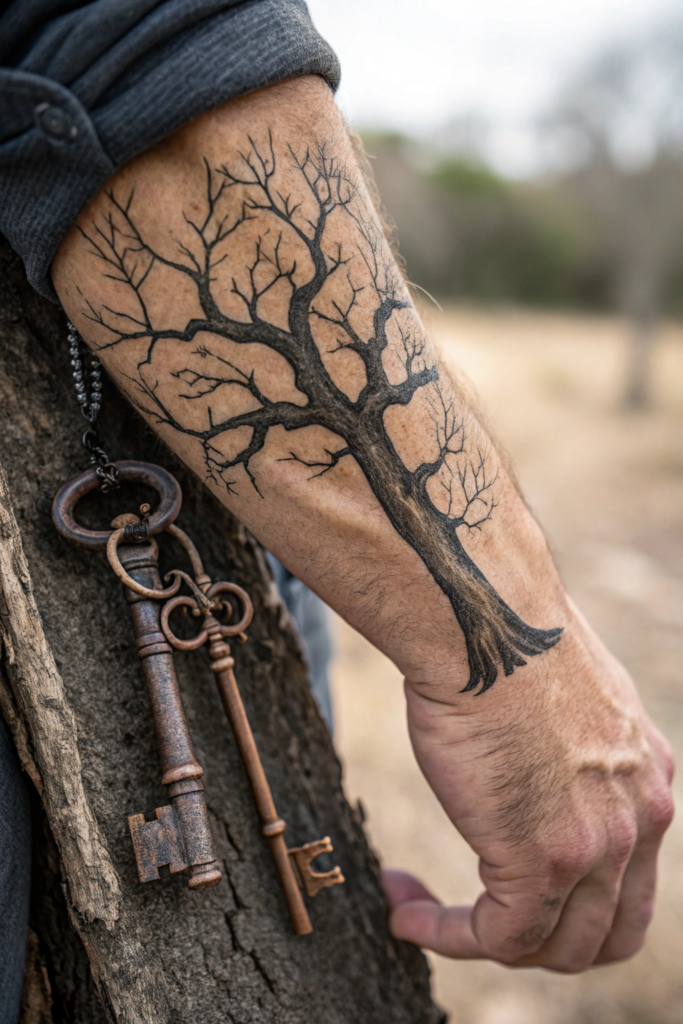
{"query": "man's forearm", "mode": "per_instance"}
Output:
(237, 285)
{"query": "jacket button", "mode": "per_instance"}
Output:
(55, 122)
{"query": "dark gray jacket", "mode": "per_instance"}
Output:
(86, 86)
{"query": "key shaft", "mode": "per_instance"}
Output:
(181, 771)
(273, 826)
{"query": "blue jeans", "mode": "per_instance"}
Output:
(310, 617)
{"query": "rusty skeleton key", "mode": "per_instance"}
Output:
(180, 835)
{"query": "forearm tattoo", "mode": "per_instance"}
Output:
(311, 300)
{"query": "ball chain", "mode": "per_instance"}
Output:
(90, 401)
(90, 404)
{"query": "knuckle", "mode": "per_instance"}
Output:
(572, 862)
(624, 837)
(659, 809)
(667, 757)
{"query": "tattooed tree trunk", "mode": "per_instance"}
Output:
(103, 946)
(494, 634)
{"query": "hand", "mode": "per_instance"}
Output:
(561, 785)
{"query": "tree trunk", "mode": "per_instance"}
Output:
(103, 946)
(641, 340)
(640, 290)
(495, 636)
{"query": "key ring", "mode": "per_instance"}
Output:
(68, 496)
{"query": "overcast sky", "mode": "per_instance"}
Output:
(413, 64)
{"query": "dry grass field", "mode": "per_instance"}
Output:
(608, 488)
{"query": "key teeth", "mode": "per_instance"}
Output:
(310, 880)
(157, 843)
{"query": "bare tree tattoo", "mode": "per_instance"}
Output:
(429, 505)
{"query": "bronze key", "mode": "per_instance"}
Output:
(180, 836)
(293, 866)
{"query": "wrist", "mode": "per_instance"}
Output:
(442, 671)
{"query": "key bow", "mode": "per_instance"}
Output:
(208, 607)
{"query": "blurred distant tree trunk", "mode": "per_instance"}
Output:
(641, 343)
(642, 304)
(621, 124)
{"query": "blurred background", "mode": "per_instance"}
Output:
(530, 156)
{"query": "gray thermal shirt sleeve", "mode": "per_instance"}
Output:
(86, 86)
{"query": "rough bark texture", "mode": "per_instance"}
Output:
(73, 694)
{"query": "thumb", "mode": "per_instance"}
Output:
(400, 887)
(417, 916)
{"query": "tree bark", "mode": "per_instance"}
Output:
(103, 947)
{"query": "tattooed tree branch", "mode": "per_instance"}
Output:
(353, 296)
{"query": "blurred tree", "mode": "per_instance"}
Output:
(510, 241)
(617, 131)
(603, 227)
(467, 232)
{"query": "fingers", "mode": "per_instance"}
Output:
(588, 914)
(561, 924)
(445, 930)
(562, 927)
(607, 915)
(585, 922)
(637, 896)
(635, 908)
(603, 919)
(565, 938)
